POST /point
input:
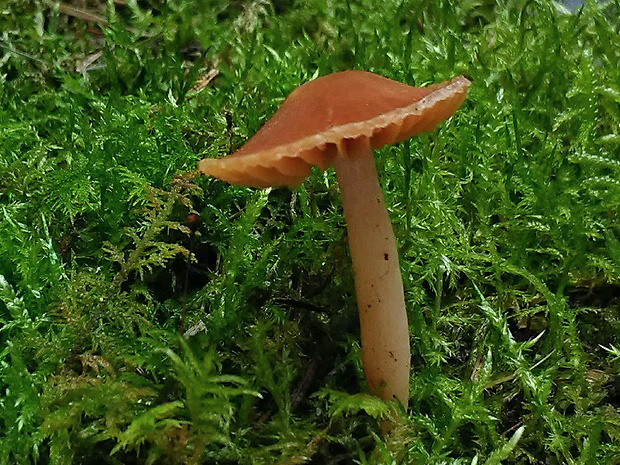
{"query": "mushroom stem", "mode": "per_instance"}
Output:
(378, 282)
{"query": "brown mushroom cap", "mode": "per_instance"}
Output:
(312, 122)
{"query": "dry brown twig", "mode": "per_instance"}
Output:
(70, 10)
(204, 81)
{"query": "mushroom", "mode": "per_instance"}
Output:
(339, 119)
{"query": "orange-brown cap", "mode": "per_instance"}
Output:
(315, 119)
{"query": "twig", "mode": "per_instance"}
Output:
(204, 81)
(4, 45)
(69, 10)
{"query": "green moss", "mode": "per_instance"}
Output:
(506, 218)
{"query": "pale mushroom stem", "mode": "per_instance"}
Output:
(378, 282)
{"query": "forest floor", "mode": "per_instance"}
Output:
(506, 219)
